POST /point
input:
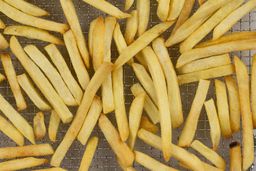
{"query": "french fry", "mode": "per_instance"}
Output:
(3, 42)
(140, 43)
(232, 18)
(2, 25)
(234, 106)
(209, 154)
(120, 148)
(110, 23)
(51, 73)
(59, 62)
(174, 98)
(206, 63)
(205, 166)
(11, 77)
(201, 2)
(206, 74)
(146, 124)
(162, 99)
(93, 86)
(188, 132)
(33, 94)
(27, 8)
(131, 27)
(209, 25)
(41, 81)
(76, 59)
(107, 8)
(175, 9)
(29, 20)
(71, 16)
(53, 126)
(128, 4)
(51, 169)
(212, 116)
(39, 126)
(235, 157)
(90, 120)
(253, 92)
(32, 33)
(247, 124)
(140, 58)
(90, 35)
(143, 8)
(223, 108)
(8, 129)
(163, 9)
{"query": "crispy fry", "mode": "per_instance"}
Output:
(2, 25)
(3, 42)
(53, 126)
(131, 27)
(39, 126)
(163, 9)
(188, 132)
(51, 169)
(11, 77)
(41, 81)
(93, 86)
(232, 18)
(175, 9)
(235, 157)
(88, 154)
(26, 19)
(146, 124)
(90, 35)
(143, 8)
(128, 4)
(253, 92)
(247, 124)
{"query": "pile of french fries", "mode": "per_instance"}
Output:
(156, 110)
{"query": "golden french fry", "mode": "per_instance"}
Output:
(53, 126)
(2, 25)
(234, 106)
(188, 132)
(51, 169)
(13, 82)
(32, 33)
(146, 124)
(162, 100)
(247, 124)
(76, 59)
(41, 81)
(88, 154)
(39, 126)
(212, 116)
(163, 9)
(128, 4)
(235, 157)
(93, 86)
(206, 74)
(90, 120)
(253, 92)
(120, 148)
(232, 18)
(90, 35)
(32, 93)
(131, 27)
(209, 25)
(3, 42)
(143, 8)
(175, 9)
(29, 20)
(223, 108)
(61, 65)
(110, 23)
(51, 73)
(174, 98)
(71, 16)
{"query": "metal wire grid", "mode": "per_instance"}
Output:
(104, 158)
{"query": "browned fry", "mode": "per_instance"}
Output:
(253, 91)
(3, 42)
(146, 124)
(235, 157)
(39, 126)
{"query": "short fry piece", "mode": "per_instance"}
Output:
(146, 124)
(253, 91)
(235, 157)
(53, 126)
(3, 42)
(143, 8)
(131, 27)
(39, 126)
(163, 9)
(2, 25)
(128, 4)
(11, 77)
(175, 9)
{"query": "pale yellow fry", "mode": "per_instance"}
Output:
(163, 9)
(26, 19)
(206, 74)
(13, 82)
(209, 25)
(110, 23)
(223, 108)
(59, 62)
(2, 25)
(253, 91)
(90, 35)
(206, 63)
(131, 27)
(51, 169)
(76, 59)
(51, 73)
(150, 108)
(233, 18)
(234, 105)
(32, 33)
(8, 129)
(162, 100)
(3, 42)
(235, 157)
(174, 98)
(108, 8)
(143, 8)
(175, 9)
(53, 126)
(71, 16)
(201, 2)
(189, 130)
(212, 116)
(120, 148)
(27, 8)
(88, 154)
(146, 124)
(90, 120)
(93, 86)
(128, 4)
(39, 126)
(247, 124)
(140, 43)
(41, 81)
(28, 87)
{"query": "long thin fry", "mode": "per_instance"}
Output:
(2, 25)
(26, 19)
(131, 27)
(253, 92)
(90, 35)
(175, 9)
(163, 9)
(41, 81)
(53, 126)
(93, 86)
(3, 42)
(188, 132)
(235, 157)
(110, 23)
(128, 4)
(143, 8)
(205, 166)
(39, 126)
(146, 124)
(247, 124)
